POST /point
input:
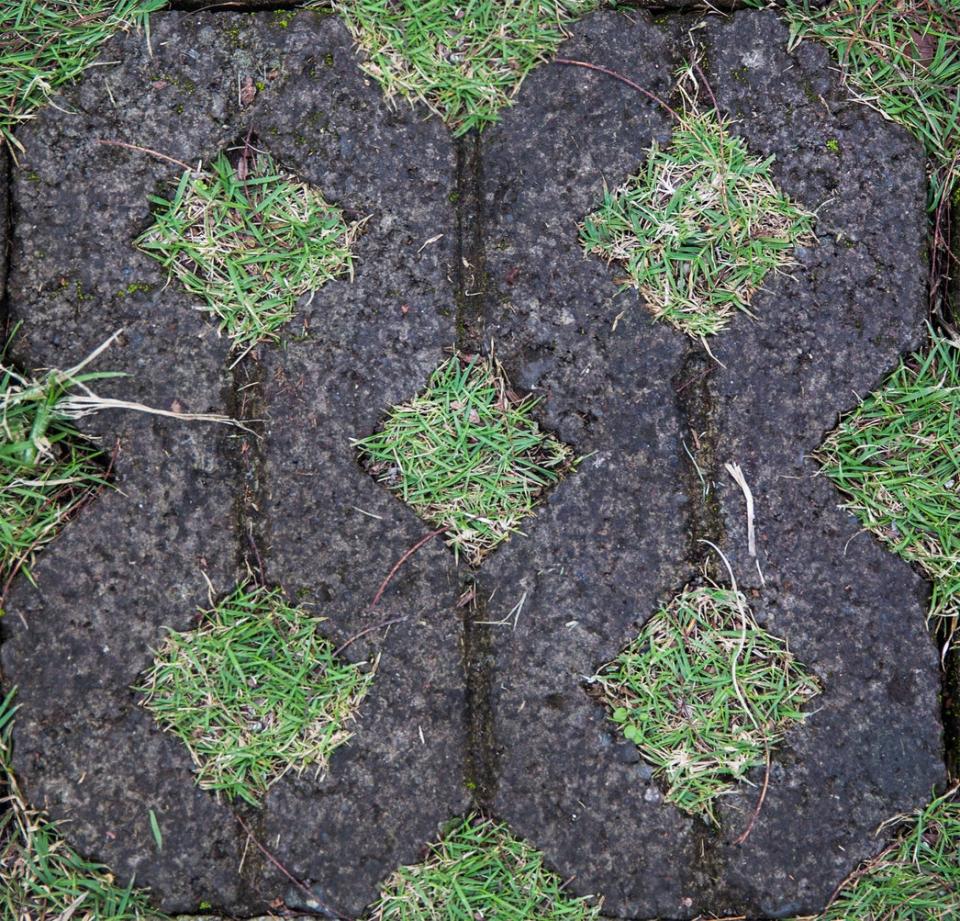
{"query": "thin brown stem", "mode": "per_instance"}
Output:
(146, 150)
(612, 73)
(364, 632)
(756, 812)
(303, 887)
(400, 562)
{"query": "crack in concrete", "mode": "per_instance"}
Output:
(469, 270)
(699, 449)
(246, 403)
(6, 239)
(950, 711)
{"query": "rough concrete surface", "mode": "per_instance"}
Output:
(620, 536)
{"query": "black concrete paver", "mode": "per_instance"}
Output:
(133, 563)
(335, 533)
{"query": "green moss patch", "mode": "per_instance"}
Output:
(46, 43)
(254, 692)
(465, 61)
(250, 240)
(41, 877)
(705, 694)
(479, 870)
(917, 878)
(897, 459)
(467, 455)
(699, 228)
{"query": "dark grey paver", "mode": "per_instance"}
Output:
(133, 562)
(613, 540)
(336, 533)
(5, 216)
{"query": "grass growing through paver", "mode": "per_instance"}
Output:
(704, 693)
(479, 870)
(901, 58)
(917, 878)
(700, 227)
(250, 240)
(467, 455)
(254, 691)
(897, 458)
(41, 877)
(46, 43)
(465, 61)
(47, 470)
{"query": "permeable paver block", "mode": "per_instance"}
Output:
(662, 419)
(136, 562)
(482, 696)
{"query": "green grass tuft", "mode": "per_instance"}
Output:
(699, 228)
(705, 694)
(47, 470)
(41, 877)
(252, 246)
(254, 691)
(46, 43)
(897, 458)
(917, 878)
(467, 455)
(479, 870)
(465, 61)
(901, 58)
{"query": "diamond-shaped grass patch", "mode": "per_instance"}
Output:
(254, 692)
(250, 239)
(705, 694)
(896, 457)
(479, 870)
(467, 455)
(699, 227)
(465, 61)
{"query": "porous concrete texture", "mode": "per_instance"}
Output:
(334, 533)
(470, 244)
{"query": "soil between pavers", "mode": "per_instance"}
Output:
(618, 538)
(614, 540)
